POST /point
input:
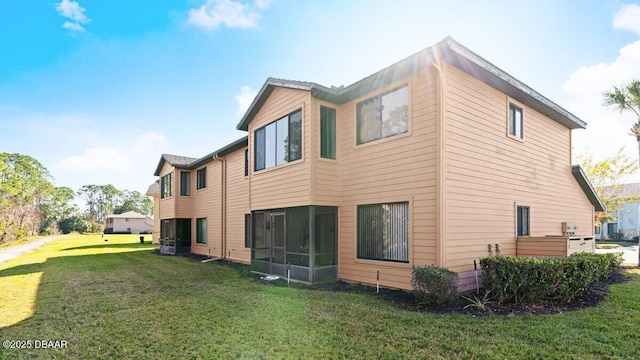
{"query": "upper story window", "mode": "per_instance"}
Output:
(185, 183)
(279, 142)
(246, 162)
(327, 132)
(166, 184)
(516, 121)
(383, 115)
(201, 178)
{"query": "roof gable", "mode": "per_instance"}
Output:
(447, 50)
(190, 163)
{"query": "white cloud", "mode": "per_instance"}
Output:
(628, 18)
(263, 4)
(607, 129)
(229, 13)
(148, 143)
(73, 11)
(72, 26)
(96, 159)
(244, 99)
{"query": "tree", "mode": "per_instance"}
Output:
(101, 200)
(626, 98)
(607, 177)
(24, 190)
(134, 201)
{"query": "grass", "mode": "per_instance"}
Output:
(610, 244)
(117, 299)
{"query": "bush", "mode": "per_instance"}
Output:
(434, 285)
(525, 280)
(617, 236)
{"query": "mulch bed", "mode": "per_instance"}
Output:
(405, 299)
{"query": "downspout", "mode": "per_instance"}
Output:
(440, 161)
(223, 200)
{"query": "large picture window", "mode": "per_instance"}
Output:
(279, 142)
(185, 183)
(383, 115)
(201, 178)
(383, 232)
(201, 230)
(166, 184)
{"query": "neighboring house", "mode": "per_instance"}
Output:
(129, 222)
(627, 219)
(154, 192)
(439, 159)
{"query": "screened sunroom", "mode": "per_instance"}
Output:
(300, 242)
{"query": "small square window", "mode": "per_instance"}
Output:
(516, 122)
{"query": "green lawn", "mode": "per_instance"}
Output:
(117, 299)
(610, 244)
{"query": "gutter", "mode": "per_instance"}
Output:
(440, 161)
(223, 201)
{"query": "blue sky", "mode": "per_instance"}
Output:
(98, 90)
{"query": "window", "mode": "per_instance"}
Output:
(279, 142)
(166, 185)
(185, 183)
(247, 230)
(246, 162)
(201, 178)
(515, 121)
(327, 132)
(201, 230)
(383, 232)
(383, 115)
(522, 226)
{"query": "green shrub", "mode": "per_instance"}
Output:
(525, 280)
(433, 285)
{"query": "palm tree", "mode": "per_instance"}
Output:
(626, 97)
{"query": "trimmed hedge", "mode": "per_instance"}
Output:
(525, 279)
(434, 285)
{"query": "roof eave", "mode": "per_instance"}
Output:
(589, 191)
(473, 64)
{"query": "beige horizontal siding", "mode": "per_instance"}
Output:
(237, 205)
(288, 184)
(398, 168)
(487, 173)
(168, 204)
(207, 203)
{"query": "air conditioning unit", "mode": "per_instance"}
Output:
(569, 229)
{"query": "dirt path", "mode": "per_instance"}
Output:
(13, 252)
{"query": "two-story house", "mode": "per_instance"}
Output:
(440, 159)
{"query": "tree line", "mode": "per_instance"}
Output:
(31, 205)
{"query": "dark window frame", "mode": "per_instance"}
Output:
(246, 162)
(378, 123)
(201, 178)
(293, 153)
(201, 233)
(327, 132)
(513, 121)
(381, 238)
(166, 186)
(523, 220)
(247, 230)
(185, 186)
